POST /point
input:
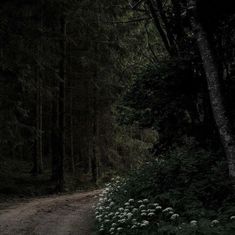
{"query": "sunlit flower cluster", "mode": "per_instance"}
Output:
(133, 215)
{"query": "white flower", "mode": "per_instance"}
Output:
(140, 201)
(127, 204)
(134, 210)
(168, 209)
(131, 200)
(119, 229)
(151, 210)
(142, 206)
(129, 215)
(193, 222)
(111, 230)
(151, 214)
(174, 216)
(121, 209)
(158, 207)
(146, 200)
(143, 214)
(113, 224)
(133, 226)
(134, 221)
(122, 221)
(232, 217)
(214, 222)
(156, 204)
(144, 223)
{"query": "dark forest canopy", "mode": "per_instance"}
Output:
(94, 89)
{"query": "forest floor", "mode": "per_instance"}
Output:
(55, 215)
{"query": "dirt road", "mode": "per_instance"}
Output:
(57, 215)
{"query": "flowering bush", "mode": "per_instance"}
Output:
(187, 191)
(133, 217)
(144, 216)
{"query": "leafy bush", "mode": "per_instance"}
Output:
(131, 146)
(164, 195)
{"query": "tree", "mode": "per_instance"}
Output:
(173, 25)
(61, 109)
(214, 88)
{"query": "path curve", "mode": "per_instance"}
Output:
(56, 215)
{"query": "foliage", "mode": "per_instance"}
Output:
(191, 180)
(132, 146)
(165, 97)
(15, 180)
(97, 67)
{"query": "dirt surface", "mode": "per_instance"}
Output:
(57, 215)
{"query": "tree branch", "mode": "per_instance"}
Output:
(128, 21)
(159, 27)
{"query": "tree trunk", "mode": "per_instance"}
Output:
(71, 134)
(40, 103)
(94, 119)
(39, 124)
(71, 121)
(38, 154)
(216, 97)
(61, 156)
(94, 134)
(168, 27)
(159, 27)
(35, 168)
(54, 133)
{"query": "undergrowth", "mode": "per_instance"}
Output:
(186, 191)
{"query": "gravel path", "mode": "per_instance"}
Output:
(56, 215)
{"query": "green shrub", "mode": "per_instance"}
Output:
(192, 181)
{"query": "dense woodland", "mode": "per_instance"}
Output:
(62, 69)
(92, 89)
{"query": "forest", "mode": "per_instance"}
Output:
(123, 106)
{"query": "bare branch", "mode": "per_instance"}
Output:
(128, 21)
(135, 3)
